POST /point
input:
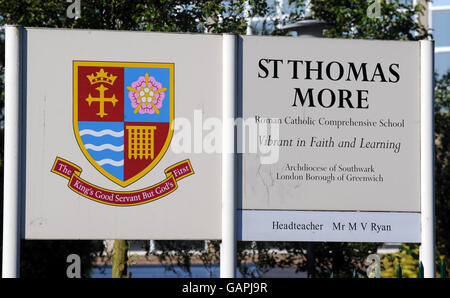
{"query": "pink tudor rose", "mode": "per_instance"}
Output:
(148, 98)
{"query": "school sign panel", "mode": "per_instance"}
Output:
(346, 151)
(101, 149)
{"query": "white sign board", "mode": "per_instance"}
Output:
(110, 120)
(339, 139)
(329, 226)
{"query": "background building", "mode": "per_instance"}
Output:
(439, 22)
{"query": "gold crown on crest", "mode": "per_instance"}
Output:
(102, 77)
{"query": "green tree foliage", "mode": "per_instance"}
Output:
(48, 259)
(175, 255)
(214, 16)
(323, 259)
(442, 164)
(397, 20)
(408, 259)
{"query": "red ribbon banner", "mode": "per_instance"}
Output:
(72, 172)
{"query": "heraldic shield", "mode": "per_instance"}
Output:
(122, 116)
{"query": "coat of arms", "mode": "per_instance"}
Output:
(123, 115)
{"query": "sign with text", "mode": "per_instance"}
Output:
(339, 131)
(110, 149)
(329, 226)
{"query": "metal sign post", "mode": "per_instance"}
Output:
(12, 189)
(228, 248)
(427, 247)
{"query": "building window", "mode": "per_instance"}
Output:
(442, 62)
(441, 3)
(439, 15)
(441, 28)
